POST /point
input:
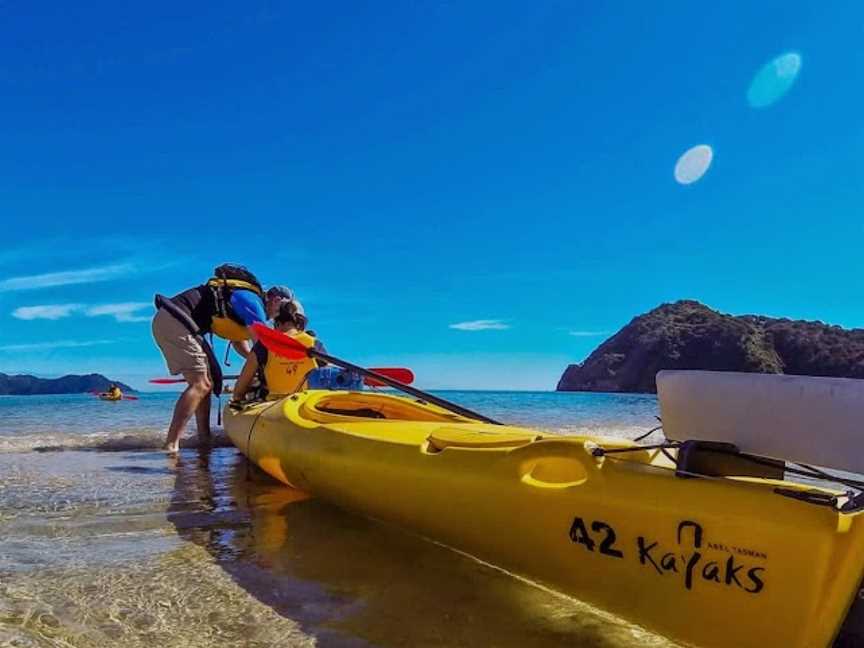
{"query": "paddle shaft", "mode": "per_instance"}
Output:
(368, 381)
(395, 384)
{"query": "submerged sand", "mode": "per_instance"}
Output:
(137, 548)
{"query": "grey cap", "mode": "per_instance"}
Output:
(280, 291)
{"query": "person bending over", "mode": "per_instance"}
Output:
(226, 306)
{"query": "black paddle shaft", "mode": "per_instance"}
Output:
(395, 384)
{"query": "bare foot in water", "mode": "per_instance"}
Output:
(171, 448)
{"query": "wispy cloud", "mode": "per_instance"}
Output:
(481, 325)
(46, 311)
(123, 312)
(51, 279)
(58, 344)
(588, 333)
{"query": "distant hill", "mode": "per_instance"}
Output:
(22, 385)
(689, 335)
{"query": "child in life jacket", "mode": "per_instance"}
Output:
(278, 376)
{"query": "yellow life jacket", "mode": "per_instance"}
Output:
(225, 324)
(283, 376)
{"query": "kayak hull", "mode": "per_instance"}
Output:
(707, 562)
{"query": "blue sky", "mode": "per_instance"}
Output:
(408, 167)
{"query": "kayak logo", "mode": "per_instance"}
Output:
(686, 561)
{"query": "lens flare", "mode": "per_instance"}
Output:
(693, 164)
(774, 80)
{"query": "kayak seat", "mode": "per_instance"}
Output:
(715, 459)
(362, 412)
(451, 437)
(361, 405)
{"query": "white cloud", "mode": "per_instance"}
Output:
(480, 325)
(123, 312)
(588, 333)
(50, 279)
(59, 344)
(46, 311)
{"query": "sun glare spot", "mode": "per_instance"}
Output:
(693, 164)
(774, 80)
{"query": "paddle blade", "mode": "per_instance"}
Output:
(403, 375)
(279, 343)
(130, 397)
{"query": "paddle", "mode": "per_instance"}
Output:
(403, 375)
(287, 347)
(175, 381)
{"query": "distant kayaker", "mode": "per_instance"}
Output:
(114, 392)
(279, 376)
(226, 306)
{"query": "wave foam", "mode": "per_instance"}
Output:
(128, 441)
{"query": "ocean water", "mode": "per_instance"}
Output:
(104, 541)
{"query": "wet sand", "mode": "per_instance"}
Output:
(137, 548)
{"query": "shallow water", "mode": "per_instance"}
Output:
(104, 541)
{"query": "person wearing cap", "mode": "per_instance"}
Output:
(279, 376)
(274, 297)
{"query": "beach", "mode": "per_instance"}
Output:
(104, 540)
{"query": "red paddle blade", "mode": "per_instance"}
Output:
(403, 375)
(130, 397)
(279, 343)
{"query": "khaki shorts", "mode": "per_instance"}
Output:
(183, 352)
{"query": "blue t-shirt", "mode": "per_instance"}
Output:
(248, 306)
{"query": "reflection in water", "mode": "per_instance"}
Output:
(774, 80)
(351, 581)
(88, 559)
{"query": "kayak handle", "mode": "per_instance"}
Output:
(554, 472)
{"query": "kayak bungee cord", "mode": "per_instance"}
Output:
(853, 503)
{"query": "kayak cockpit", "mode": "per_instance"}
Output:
(331, 407)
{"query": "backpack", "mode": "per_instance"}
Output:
(229, 277)
(238, 272)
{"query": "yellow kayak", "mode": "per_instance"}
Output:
(743, 561)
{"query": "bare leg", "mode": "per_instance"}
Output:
(202, 418)
(188, 403)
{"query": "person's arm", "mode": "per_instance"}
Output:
(250, 367)
(242, 346)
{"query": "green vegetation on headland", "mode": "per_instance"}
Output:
(23, 385)
(689, 335)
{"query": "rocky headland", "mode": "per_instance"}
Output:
(689, 335)
(24, 385)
